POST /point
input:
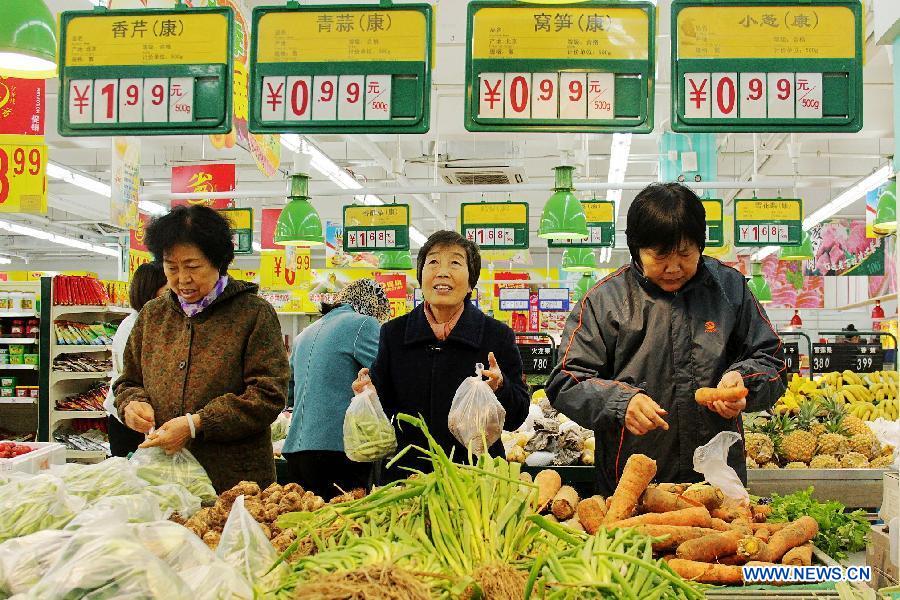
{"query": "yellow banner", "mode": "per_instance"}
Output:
(713, 210)
(398, 307)
(768, 210)
(147, 39)
(499, 213)
(137, 258)
(599, 212)
(276, 272)
(561, 33)
(238, 218)
(23, 175)
(376, 216)
(768, 31)
(342, 36)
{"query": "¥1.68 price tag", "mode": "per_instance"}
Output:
(23, 177)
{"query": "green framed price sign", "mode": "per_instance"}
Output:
(495, 225)
(715, 223)
(767, 65)
(373, 228)
(566, 67)
(145, 72)
(241, 221)
(775, 222)
(601, 223)
(341, 69)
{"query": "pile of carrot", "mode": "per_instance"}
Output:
(702, 536)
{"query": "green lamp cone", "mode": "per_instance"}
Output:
(394, 260)
(583, 286)
(27, 40)
(886, 214)
(563, 216)
(758, 285)
(802, 252)
(299, 223)
(578, 260)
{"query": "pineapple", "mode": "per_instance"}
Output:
(824, 461)
(751, 464)
(882, 462)
(853, 425)
(806, 417)
(797, 445)
(796, 465)
(854, 460)
(759, 446)
(833, 441)
(866, 444)
(771, 465)
(817, 429)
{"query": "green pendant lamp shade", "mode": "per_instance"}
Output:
(583, 286)
(299, 223)
(578, 260)
(563, 217)
(802, 252)
(27, 39)
(886, 214)
(759, 286)
(394, 260)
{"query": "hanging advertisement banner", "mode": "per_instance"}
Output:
(22, 106)
(204, 178)
(790, 287)
(840, 247)
(335, 255)
(138, 253)
(23, 174)
(268, 220)
(126, 181)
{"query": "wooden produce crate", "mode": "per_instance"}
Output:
(854, 488)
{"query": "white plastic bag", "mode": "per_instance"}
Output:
(174, 498)
(25, 560)
(34, 504)
(368, 434)
(174, 544)
(156, 467)
(711, 460)
(216, 581)
(476, 416)
(246, 548)
(112, 477)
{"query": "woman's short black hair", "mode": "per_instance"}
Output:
(662, 216)
(145, 282)
(446, 237)
(193, 224)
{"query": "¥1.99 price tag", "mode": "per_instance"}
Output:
(23, 177)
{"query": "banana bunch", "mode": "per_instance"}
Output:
(868, 396)
(870, 412)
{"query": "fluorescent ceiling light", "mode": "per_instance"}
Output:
(5, 261)
(86, 183)
(416, 236)
(152, 208)
(327, 167)
(618, 164)
(56, 238)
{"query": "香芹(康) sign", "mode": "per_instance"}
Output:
(495, 225)
(775, 222)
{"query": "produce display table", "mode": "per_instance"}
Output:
(854, 488)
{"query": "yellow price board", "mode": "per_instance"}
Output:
(495, 212)
(137, 258)
(766, 31)
(599, 212)
(768, 210)
(398, 307)
(23, 175)
(147, 39)
(566, 33)
(278, 272)
(376, 216)
(713, 209)
(776, 222)
(342, 35)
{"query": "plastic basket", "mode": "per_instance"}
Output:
(41, 458)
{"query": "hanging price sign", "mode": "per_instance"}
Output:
(792, 356)
(859, 358)
(341, 69)
(23, 175)
(601, 224)
(553, 299)
(776, 222)
(514, 299)
(278, 272)
(372, 228)
(760, 65)
(241, 221)
(570, 67)
(146, 72)
(715, 224)
(495, 225)
(537, 359)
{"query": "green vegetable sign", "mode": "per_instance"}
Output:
(776, 222)
(372, 228)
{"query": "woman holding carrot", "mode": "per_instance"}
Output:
(640, 344)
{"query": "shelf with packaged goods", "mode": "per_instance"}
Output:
(22, 314)
(57, 376)
(78, 348)
(18, 340)
(57, 311)
(67, 415)
(18, 400)
(4, 367)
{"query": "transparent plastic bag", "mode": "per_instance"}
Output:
(174, 544)
(246, 548)
(368, 434)
(711, 460)
(24, 561)
(216, 581)
(111, 477)
(156, 467)
(35, 504)
(476, 416)
(174, 498)
(130, 508)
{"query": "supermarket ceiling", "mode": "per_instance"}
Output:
(821, 165)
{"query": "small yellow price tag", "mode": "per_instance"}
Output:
(23, 177)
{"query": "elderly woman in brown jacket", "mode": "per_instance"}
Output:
(205, 367)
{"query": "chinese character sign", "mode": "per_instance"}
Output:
(22, 106)
(204, 178)
(840, 247)
(126, 181)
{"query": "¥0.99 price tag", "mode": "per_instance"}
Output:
(23, 178)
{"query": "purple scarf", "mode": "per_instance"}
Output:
(195, 308)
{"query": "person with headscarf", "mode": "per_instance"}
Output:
(325, 359)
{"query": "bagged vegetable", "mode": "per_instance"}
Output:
(156, 467)
(34, 504)
(280, 426)
(25, 560)
(112, 477)
(131, 508)
(174, 498)
(476, 416)
(216, 581)
(368, 434)
(174, 544)
(246, 548)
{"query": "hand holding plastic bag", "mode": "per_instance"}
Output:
(156, 467)
(476, 416)
(368, 434)
(711, 460)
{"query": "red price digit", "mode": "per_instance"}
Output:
(109, 90)
(34, 159)
(784, 89)
(576, 89)
(519, 94)
(546, 88)
(725, 95)
(353, 93)
(300, 90)
(756, 89)
(18, 161)
(131, 95)
(4, 179)
(327, 89)
(157, 94)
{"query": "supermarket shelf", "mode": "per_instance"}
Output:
(57, 311)
(28, 340)
(57, 376)
(65, 415)
(85, 454)
(18, 400)
(868, 302)
(73, 348)
(5, 367)
(20, 315)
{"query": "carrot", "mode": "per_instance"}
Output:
(761, 512)
(733, 559)
(800, 556)
(590, 513)
(796, 534)
(751, 547)
(696, 516)
(709, 496)
(772, 527)
(548, 482)
(763, 533)
(719, 525)
(731, 512)
(673, 535)
(661, 501)
(636, 476)
(564, 503)
(711, 547)
(708, 396)
(702, 572)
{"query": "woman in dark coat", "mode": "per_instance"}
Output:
(425, 355)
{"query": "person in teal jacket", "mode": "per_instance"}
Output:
(325, 360)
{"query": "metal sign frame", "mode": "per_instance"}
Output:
(718, 225)
(521, 232)
(794, 227)
(401, 232)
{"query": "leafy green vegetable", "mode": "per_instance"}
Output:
(35, 504)
(840, 532)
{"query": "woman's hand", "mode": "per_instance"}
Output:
(493, 373)
(643, 415)
(363, 382)
(730, 410)
(139, 416)
(173, 435)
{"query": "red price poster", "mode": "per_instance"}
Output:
(267, 236)
(138, 253)
(394, 285)
(204, 178)
(22, 106)
(534, 316)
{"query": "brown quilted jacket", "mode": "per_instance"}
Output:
(227, 364)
